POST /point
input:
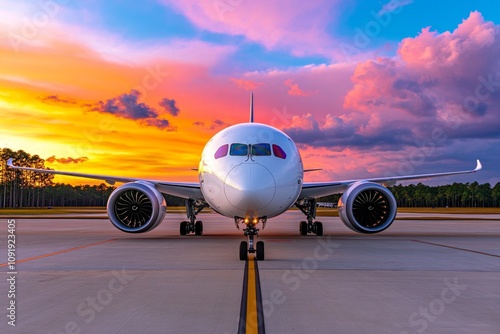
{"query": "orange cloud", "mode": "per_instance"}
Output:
(67, 160)
(47, 98)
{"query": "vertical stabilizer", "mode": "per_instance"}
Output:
(251, 108)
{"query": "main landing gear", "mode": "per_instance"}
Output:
(308, 207)
(193, 207)
(250, 232)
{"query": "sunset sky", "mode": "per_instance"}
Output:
(365, 88)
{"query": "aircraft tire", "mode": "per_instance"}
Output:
(183, 228)
(243, 251)
(198, 227)
(319, 228)
(303, 228)
(260, 251)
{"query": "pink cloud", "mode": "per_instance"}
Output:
(246, 84)
(295, 90)
(434, 76)
(472, 40)
(306, 122)
(91, 41)
(437, 102)
(275, 24)
(329, 83)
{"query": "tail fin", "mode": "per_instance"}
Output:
(251, 108)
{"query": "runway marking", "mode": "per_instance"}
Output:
(456, 248)
(59, 252)
(251, 314)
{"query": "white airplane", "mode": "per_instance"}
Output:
(251, 172)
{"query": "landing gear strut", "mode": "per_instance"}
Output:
(250, 232)
(308, 207)
(193, 207)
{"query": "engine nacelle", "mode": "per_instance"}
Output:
(136, 207)
(367, 207)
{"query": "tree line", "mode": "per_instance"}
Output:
(459, 195)
(28, 189)
(22, 189)
(468, 195)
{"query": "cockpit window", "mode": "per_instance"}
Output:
(221, 152)
(239, 149)
(261, 149)
(278, 152)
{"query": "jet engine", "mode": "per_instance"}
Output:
(136, 207)
(367, 207)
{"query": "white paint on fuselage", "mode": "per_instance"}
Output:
(251, 186)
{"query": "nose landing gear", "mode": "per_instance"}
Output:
(250, 232)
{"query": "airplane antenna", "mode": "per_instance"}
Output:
(251, 108)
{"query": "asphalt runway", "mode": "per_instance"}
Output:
(419, 276)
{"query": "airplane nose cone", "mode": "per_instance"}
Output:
(249, 187)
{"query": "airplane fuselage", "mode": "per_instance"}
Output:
(250, 170)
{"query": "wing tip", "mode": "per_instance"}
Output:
(312, 170)
(479, 166)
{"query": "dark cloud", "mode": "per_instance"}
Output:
(334, 132)
(55, 99)
(215, 124)
(162, 124)
(127, 106)
(67, 160)
(170, 106)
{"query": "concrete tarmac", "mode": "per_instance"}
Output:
(419, 276)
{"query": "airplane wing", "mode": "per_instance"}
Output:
(180, 189)
(319, 189)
